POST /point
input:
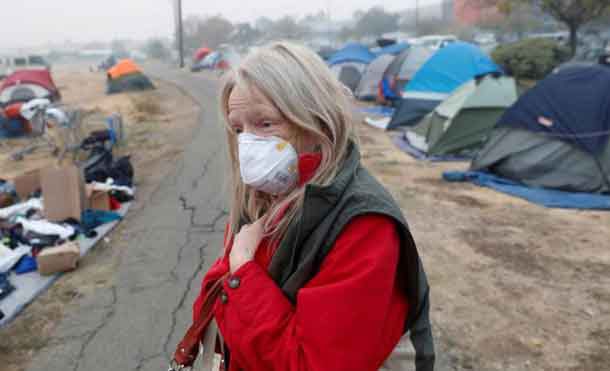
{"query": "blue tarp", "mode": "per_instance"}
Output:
(403, 144)
(353, 52)
(450, 67)
(382, 111)
(573, 105)
(393, 49)
(541, 196)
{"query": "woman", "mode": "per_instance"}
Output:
(320, 271)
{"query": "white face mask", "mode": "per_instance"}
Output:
(268, 164)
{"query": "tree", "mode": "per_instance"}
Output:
(376, 22)
(287, 28)
(156, 49)
(209, 32)
(245, 34)
(263, 24)
(573, 13)
(522, 18)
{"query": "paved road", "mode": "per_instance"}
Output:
(135, 324)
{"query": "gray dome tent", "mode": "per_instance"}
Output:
(369, 83)
(404, 66)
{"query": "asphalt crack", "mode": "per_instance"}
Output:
(182, 300)
(97, 329)
(145, 359)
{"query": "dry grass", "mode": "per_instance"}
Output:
(145, 108)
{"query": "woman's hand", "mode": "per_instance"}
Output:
(246, 243)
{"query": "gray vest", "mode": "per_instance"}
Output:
(312, 234)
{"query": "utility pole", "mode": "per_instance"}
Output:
(328, 23)
(179, 31)
(416, 17)
(180, 35)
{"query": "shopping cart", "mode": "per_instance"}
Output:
(53, 129)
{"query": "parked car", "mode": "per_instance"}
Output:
(485, 38)
(8, 65)
(434, 41)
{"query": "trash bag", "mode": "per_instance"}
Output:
(98, 164)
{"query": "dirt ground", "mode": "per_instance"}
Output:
(157, 124)
(515, 286)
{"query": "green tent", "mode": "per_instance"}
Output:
(132, 82)
(460, 125)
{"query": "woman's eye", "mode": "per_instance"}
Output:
(266, 124)
(237, 130)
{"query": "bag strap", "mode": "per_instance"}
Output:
(188, 349)
(208, 355)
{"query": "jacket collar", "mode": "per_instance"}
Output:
(320, 200)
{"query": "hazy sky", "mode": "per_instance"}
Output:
(36, 22)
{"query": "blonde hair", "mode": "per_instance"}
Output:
(306, 93)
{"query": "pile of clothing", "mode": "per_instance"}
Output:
(29, 242)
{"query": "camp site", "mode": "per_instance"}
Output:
(127, 179)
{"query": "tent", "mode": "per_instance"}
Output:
(402, 69)
(122, 68)
(127, 76)
(353, 52)
(208, 62)
(460, 125)
(326, 52)
(228, 59)
(445, 71)
(24, 85)
(349, 64)
(556, 135)
(369, 83)
(393, 49)
(200, 54)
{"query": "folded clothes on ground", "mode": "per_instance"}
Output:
(26, 264)
(8, 257)
(92, 219)
(46, 228)
(21, 208)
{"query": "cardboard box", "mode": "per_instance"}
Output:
(27, 183)
(6, 200)
(63, 192)
(99, 200)
(57, 259)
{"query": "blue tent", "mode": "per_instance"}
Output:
(572, 105)
(449, 68)
(353, 52)
(393, 49)
(557, 134)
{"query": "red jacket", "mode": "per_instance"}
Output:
(349, 316)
